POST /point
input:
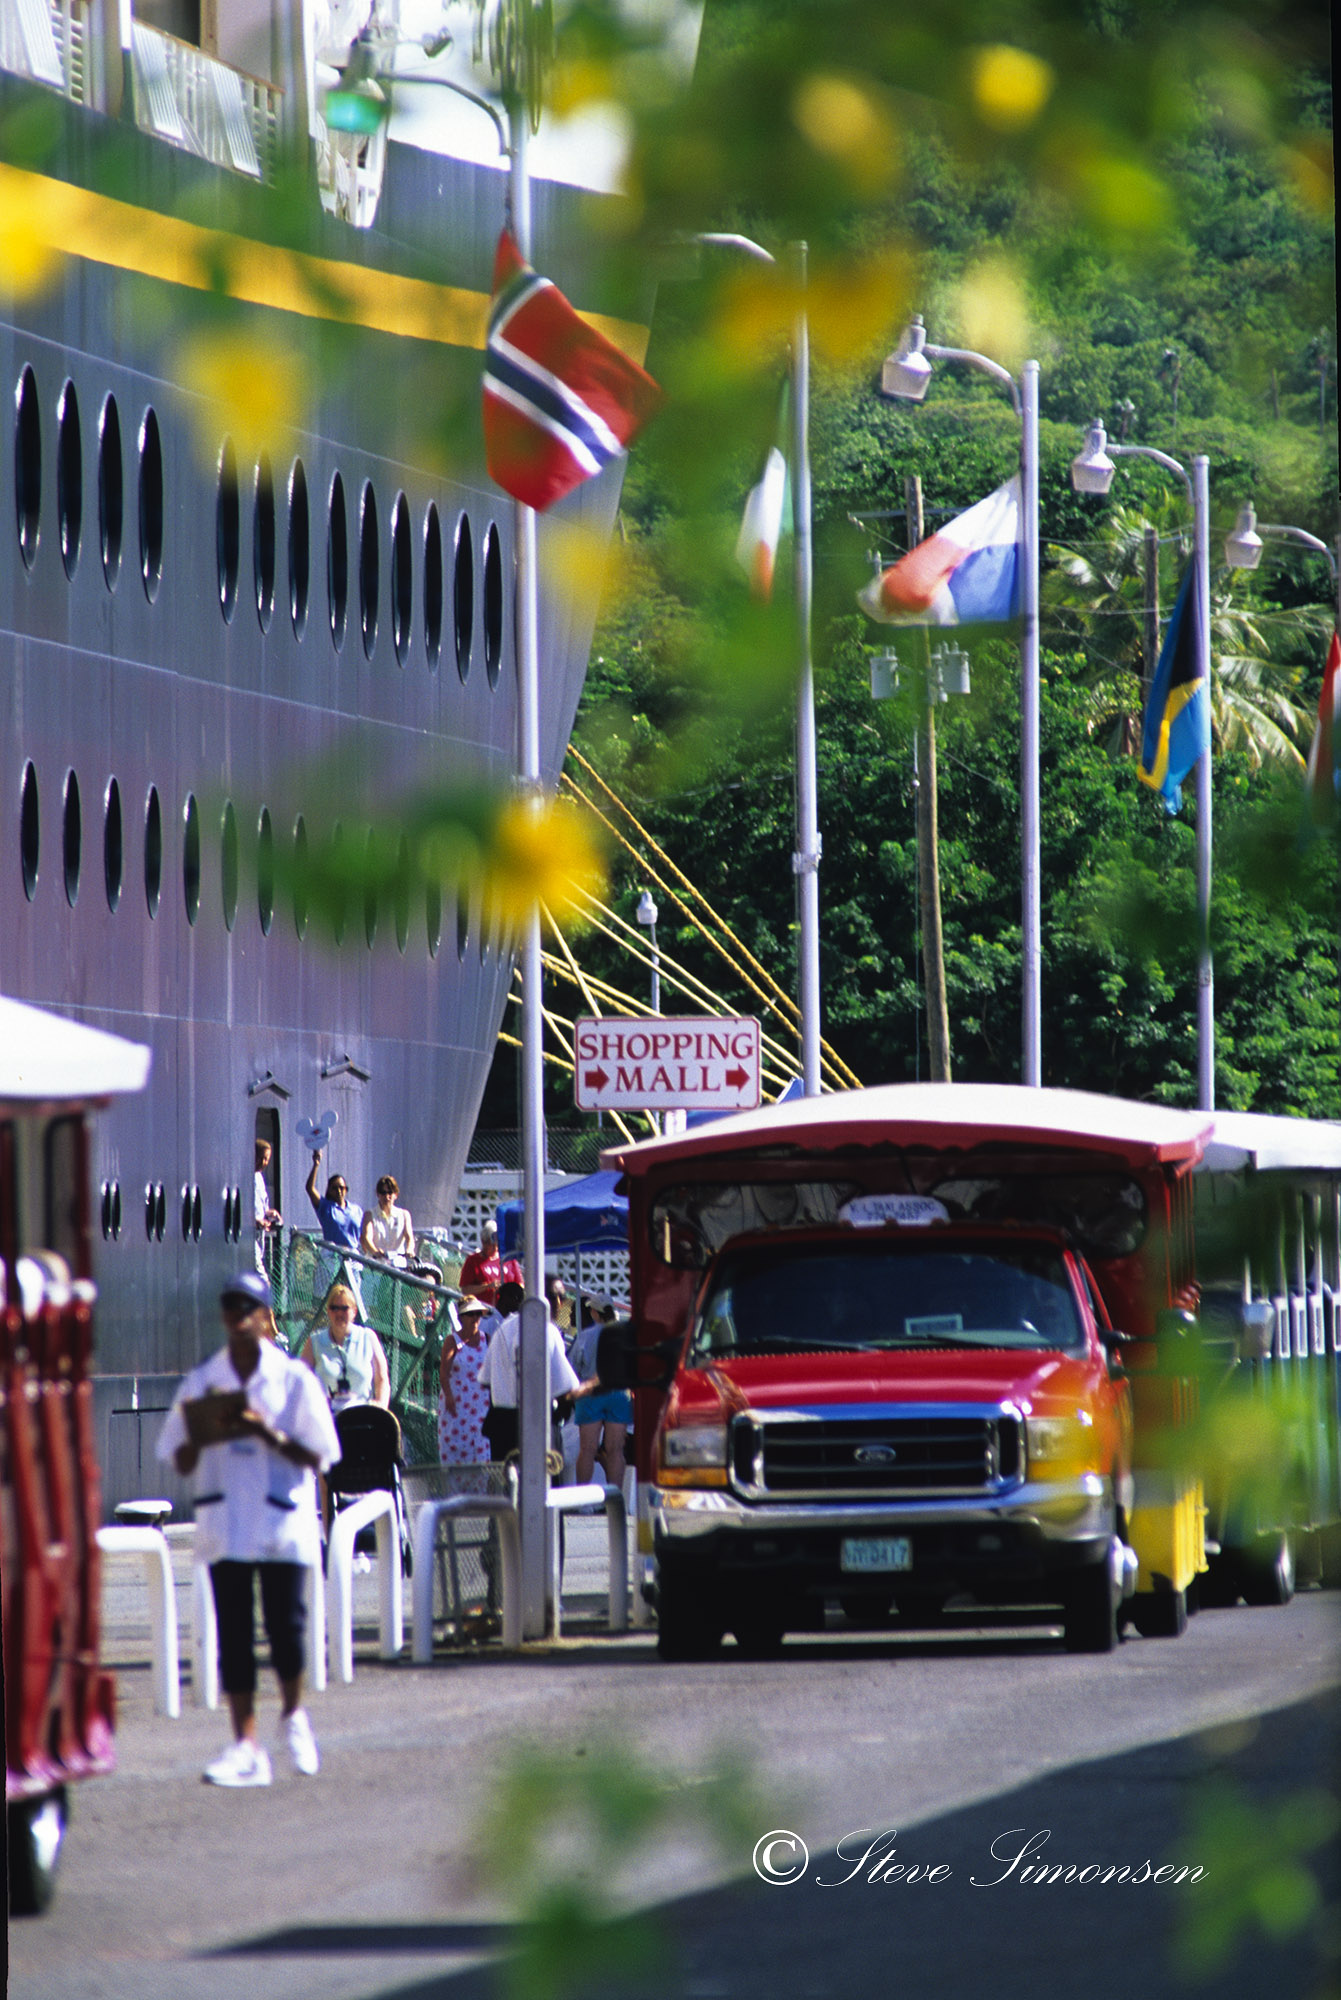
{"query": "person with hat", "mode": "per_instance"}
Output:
(463, 1400)
(255, 1427)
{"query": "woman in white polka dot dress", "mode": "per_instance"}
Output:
(463, 1401)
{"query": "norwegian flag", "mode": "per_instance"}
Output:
(560, 400)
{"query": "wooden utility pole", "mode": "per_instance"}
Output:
(928, 855)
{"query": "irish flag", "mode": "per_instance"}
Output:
(966, 573)
(1324, 757)
(761, 527)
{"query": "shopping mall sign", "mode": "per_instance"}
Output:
(667, 1063)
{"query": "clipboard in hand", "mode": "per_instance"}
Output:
(212, 1419)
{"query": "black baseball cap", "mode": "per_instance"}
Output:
(249, 1285)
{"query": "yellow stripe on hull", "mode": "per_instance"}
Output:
(77, 222)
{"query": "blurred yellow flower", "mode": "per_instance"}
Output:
(1121, 198)
(245, 386)
(844, 118)
(539, 853)
(28, 263)
(583, 566)
(855, 304)
(755, 317)
(1010, 86)
(1309, 172)
(993, 314)
(575, 84)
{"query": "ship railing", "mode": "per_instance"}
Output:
(407, 1308)
(48, 41)
(204, 106)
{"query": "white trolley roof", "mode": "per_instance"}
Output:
(941, 1114)
(47, 1059)
(1280, 1145)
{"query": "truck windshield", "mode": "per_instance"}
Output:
(887, 1295)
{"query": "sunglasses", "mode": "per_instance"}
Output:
(344, 1311)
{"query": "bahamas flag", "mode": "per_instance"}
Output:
(967, 572)
(1178, 712)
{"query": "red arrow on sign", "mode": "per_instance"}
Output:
(595, 1079)
(737, 1077)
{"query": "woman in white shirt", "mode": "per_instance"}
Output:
(347, 1359)
(388, 1232)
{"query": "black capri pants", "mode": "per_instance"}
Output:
(283, 1610)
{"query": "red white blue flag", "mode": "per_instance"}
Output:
(560, 400)
(1324, 758)
(967, 572)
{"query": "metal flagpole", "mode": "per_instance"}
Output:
(533, 1369)
(806, 860)
(1201, 536)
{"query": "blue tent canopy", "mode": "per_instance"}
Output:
(581, 1215)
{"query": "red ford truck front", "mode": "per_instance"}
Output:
(879, 1346)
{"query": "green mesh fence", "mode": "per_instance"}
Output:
(407, 1310)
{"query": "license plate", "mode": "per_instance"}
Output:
(895, 1552)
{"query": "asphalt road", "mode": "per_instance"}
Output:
(368, 1879)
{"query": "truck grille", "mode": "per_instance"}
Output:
(895, 1453)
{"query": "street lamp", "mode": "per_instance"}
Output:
(907, 374)
(1244, 546)
(806, 858)
(1092, 472)
(647, 916)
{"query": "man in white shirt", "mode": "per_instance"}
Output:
(498, 1372)
(256, 1515)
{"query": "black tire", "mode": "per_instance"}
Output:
(1090, 1611)
(759, 1638)
(1159, 1614)
(1219, 1587)
(688, 1626)
(36, 1835)
(1266, 1569)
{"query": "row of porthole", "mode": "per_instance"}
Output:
(114, 856)
(70, 484)
(228, 539)
(156, 1212)
(228, 536)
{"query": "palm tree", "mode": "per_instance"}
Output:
(1094, 605)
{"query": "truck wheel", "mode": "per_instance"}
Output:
(1090, 1611)
(759, 1638)
(1159, 1614)
(687, 1628)
(1219, 1588)
(36, 1831)
(1266, 1569)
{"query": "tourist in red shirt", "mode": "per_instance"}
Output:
(484, 1270)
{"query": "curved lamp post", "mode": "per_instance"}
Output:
(907, 374)
(1244, 546)
(1092, 472)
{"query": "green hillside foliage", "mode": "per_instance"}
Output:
(1208, 328)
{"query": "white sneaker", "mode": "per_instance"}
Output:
(302, 1744)
(362, 1565)
(242, 1763)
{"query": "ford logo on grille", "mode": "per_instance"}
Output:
(875, 1454)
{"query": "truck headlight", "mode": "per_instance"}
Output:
(694, 1454)
(1060, 1447)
